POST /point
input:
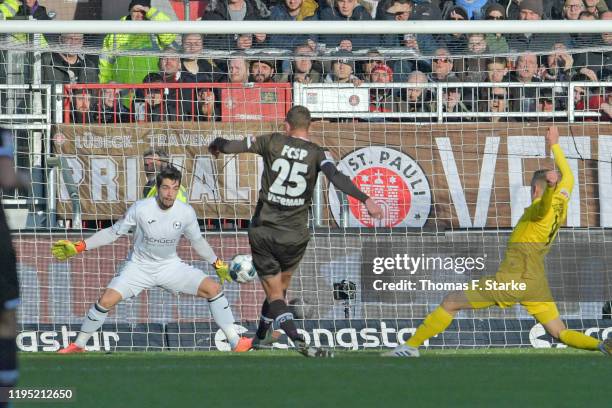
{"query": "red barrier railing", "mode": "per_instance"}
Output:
(129, 103)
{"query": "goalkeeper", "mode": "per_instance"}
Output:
(160, 222)
(529, 243)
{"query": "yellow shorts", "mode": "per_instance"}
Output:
(506, 290)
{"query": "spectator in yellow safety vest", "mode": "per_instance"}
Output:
(10, 9)
(154, 161)
(125, 69)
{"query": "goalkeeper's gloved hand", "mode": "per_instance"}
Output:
(64, 249)
(222, 270)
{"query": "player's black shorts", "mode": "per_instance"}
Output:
(276, 250)
(9, 286)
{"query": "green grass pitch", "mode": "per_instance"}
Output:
(455, 378)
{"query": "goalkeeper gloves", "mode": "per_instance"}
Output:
(222, 270)
(64, 249)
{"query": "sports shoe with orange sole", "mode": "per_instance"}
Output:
(244, 344)
(72, 348)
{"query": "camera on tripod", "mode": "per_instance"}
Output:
(345, 290)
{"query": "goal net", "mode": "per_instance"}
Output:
(443, 130)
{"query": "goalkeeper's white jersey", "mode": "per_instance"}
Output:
(157, 231)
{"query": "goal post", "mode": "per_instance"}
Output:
(444, 137)
(305, 27)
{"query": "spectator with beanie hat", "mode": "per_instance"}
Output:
(496, 43)
(531, 10)
(263, 70)
(132, 69)
(342, 67)
(549, 9)
(383, 99)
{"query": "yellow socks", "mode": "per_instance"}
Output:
(578, 340)
(436, 322)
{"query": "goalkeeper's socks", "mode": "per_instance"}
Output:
(284, 319)
(264, 321)
(435, 323)
(578, 340)
(8, 367)
(93, 321)
(222, 313)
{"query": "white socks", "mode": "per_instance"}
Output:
(93, 321)
(221, 312)
(219, 308)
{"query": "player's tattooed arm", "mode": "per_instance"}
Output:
(342, 182)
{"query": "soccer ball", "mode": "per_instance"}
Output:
(242, 269)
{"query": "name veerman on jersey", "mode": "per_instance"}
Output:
(289, 202)
(157, 231)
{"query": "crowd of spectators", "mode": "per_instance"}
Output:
(452, 60)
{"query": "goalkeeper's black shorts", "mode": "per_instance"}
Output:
(9, 286)
(276, 250)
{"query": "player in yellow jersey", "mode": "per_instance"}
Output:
(523, 265)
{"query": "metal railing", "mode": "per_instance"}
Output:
(565, 92)
(27, 111)
(231, 102)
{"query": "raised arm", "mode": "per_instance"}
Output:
(553, 183)
(567, 177)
